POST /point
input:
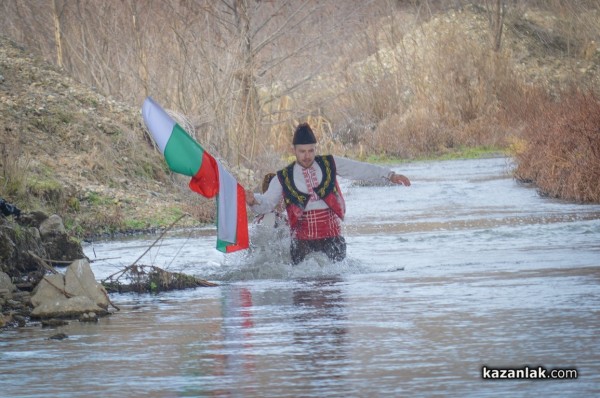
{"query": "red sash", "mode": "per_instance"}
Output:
(318, 224)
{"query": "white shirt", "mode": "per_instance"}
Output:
(345, 167)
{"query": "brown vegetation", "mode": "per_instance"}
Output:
(404, 78)
(69, 150)
(560, 151)
(399, 78)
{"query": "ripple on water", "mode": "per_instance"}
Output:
(493, 274)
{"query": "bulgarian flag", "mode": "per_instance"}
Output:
(209, 178)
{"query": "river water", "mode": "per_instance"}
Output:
(464, 269)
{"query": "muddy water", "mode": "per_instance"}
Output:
(462, 270)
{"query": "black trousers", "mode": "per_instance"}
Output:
(334, 248)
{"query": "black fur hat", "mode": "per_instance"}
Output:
(304, 135)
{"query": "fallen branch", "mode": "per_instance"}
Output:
(147, 250)
(68, 262)
(149, 278)
(104, 259)
(63, 291)
(109, 301)
(42, 262)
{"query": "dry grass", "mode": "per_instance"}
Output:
(65, 149)
(15, 167)
(436, 90)
(561, 154)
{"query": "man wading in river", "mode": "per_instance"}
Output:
(313, 199)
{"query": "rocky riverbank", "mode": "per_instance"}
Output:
(32, 248)
(45, 278)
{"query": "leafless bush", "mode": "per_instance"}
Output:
(434, 91)
(561, 153)
(394, 77)
(224, 63)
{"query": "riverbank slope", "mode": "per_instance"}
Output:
(67, 149)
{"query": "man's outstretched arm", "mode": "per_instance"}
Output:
(355, 170)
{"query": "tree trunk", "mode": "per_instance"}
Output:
(57, 34)
(250, 107)
(142, 59)
(496, 20)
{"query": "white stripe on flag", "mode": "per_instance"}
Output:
(158, 122)
(227, 209)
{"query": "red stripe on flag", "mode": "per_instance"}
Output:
(206, 183)
(206, 180)
(242, 222)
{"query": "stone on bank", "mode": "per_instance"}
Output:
(70, 295)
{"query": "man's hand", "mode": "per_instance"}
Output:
(399, 179)
(250, 199)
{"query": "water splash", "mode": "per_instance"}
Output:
(494, 274)
(269, 258)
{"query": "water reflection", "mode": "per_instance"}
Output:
(239, 362)
(320, 329)
(492, 273)
(219, 358)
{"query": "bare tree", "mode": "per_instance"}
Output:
(56, 15)
(496, 10)
(139, 50)
(230, 65)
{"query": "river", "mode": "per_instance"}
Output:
(464, 269)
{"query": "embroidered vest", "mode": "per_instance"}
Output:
(328, 190)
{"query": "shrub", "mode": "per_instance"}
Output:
(561, 155)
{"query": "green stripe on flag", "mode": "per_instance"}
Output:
(182, 153)
(222, 245)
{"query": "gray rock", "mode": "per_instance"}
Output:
(69, 296)
(58, 336)
(53, 225)
(62, 247)
(6, 282)
(24, 297)
(14, 304)
(20, 319)
(58, 245)
(33, 219)
(66, 308)
(35, 233)
(80, 281)
(89, 317)
(7, 248)
(15, 244)
(49, 289)
(53, 323)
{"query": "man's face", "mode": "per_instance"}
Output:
(305, 154)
